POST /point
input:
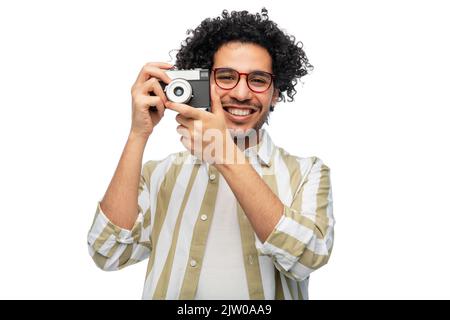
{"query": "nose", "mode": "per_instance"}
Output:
(241, 92)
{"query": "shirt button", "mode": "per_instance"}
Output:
(204, 217)
(212, 176)
(250, 259)
(193, 263)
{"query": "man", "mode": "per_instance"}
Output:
(234, 216)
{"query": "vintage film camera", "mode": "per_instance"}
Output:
(189, 87)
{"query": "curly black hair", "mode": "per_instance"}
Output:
(289, 61)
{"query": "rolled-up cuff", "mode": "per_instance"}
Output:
(104, 234)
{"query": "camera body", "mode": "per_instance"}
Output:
(189, 87)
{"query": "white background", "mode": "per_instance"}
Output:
(375, 110)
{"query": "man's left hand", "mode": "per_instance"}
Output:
(205, 134)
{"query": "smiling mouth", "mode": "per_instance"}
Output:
(239, 112)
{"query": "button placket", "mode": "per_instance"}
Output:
(212, 174)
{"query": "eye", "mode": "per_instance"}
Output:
(259, 81)
(225, 77)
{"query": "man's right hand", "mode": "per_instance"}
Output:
(147, 94)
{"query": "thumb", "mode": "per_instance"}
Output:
(216, 104)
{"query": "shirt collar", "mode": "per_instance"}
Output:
(264, 149)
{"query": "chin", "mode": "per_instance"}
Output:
(241, 131)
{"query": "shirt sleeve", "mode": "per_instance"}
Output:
(113, 248)
(302, 240)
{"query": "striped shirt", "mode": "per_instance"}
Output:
(177, 202)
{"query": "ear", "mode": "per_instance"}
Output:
(276, 95)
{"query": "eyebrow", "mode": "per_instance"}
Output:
(239, 71)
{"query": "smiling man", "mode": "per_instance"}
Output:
(244, 220)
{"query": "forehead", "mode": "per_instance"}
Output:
(244, 57)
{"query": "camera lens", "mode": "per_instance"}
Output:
(178, 91)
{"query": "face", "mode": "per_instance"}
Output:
(244, 57)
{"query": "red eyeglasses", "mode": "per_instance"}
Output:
(257, 81)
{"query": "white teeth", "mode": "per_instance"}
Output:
(239, 112)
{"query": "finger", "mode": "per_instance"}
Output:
(160, 108)
(183, 131)
(186, 122)
(153, 86)
(184, 109)
(216, 103)
(153, 104)
(154, 69)
(186, 142)
(162, 65)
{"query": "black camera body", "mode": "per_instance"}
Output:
(189, 87)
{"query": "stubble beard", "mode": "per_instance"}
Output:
(245, 138)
